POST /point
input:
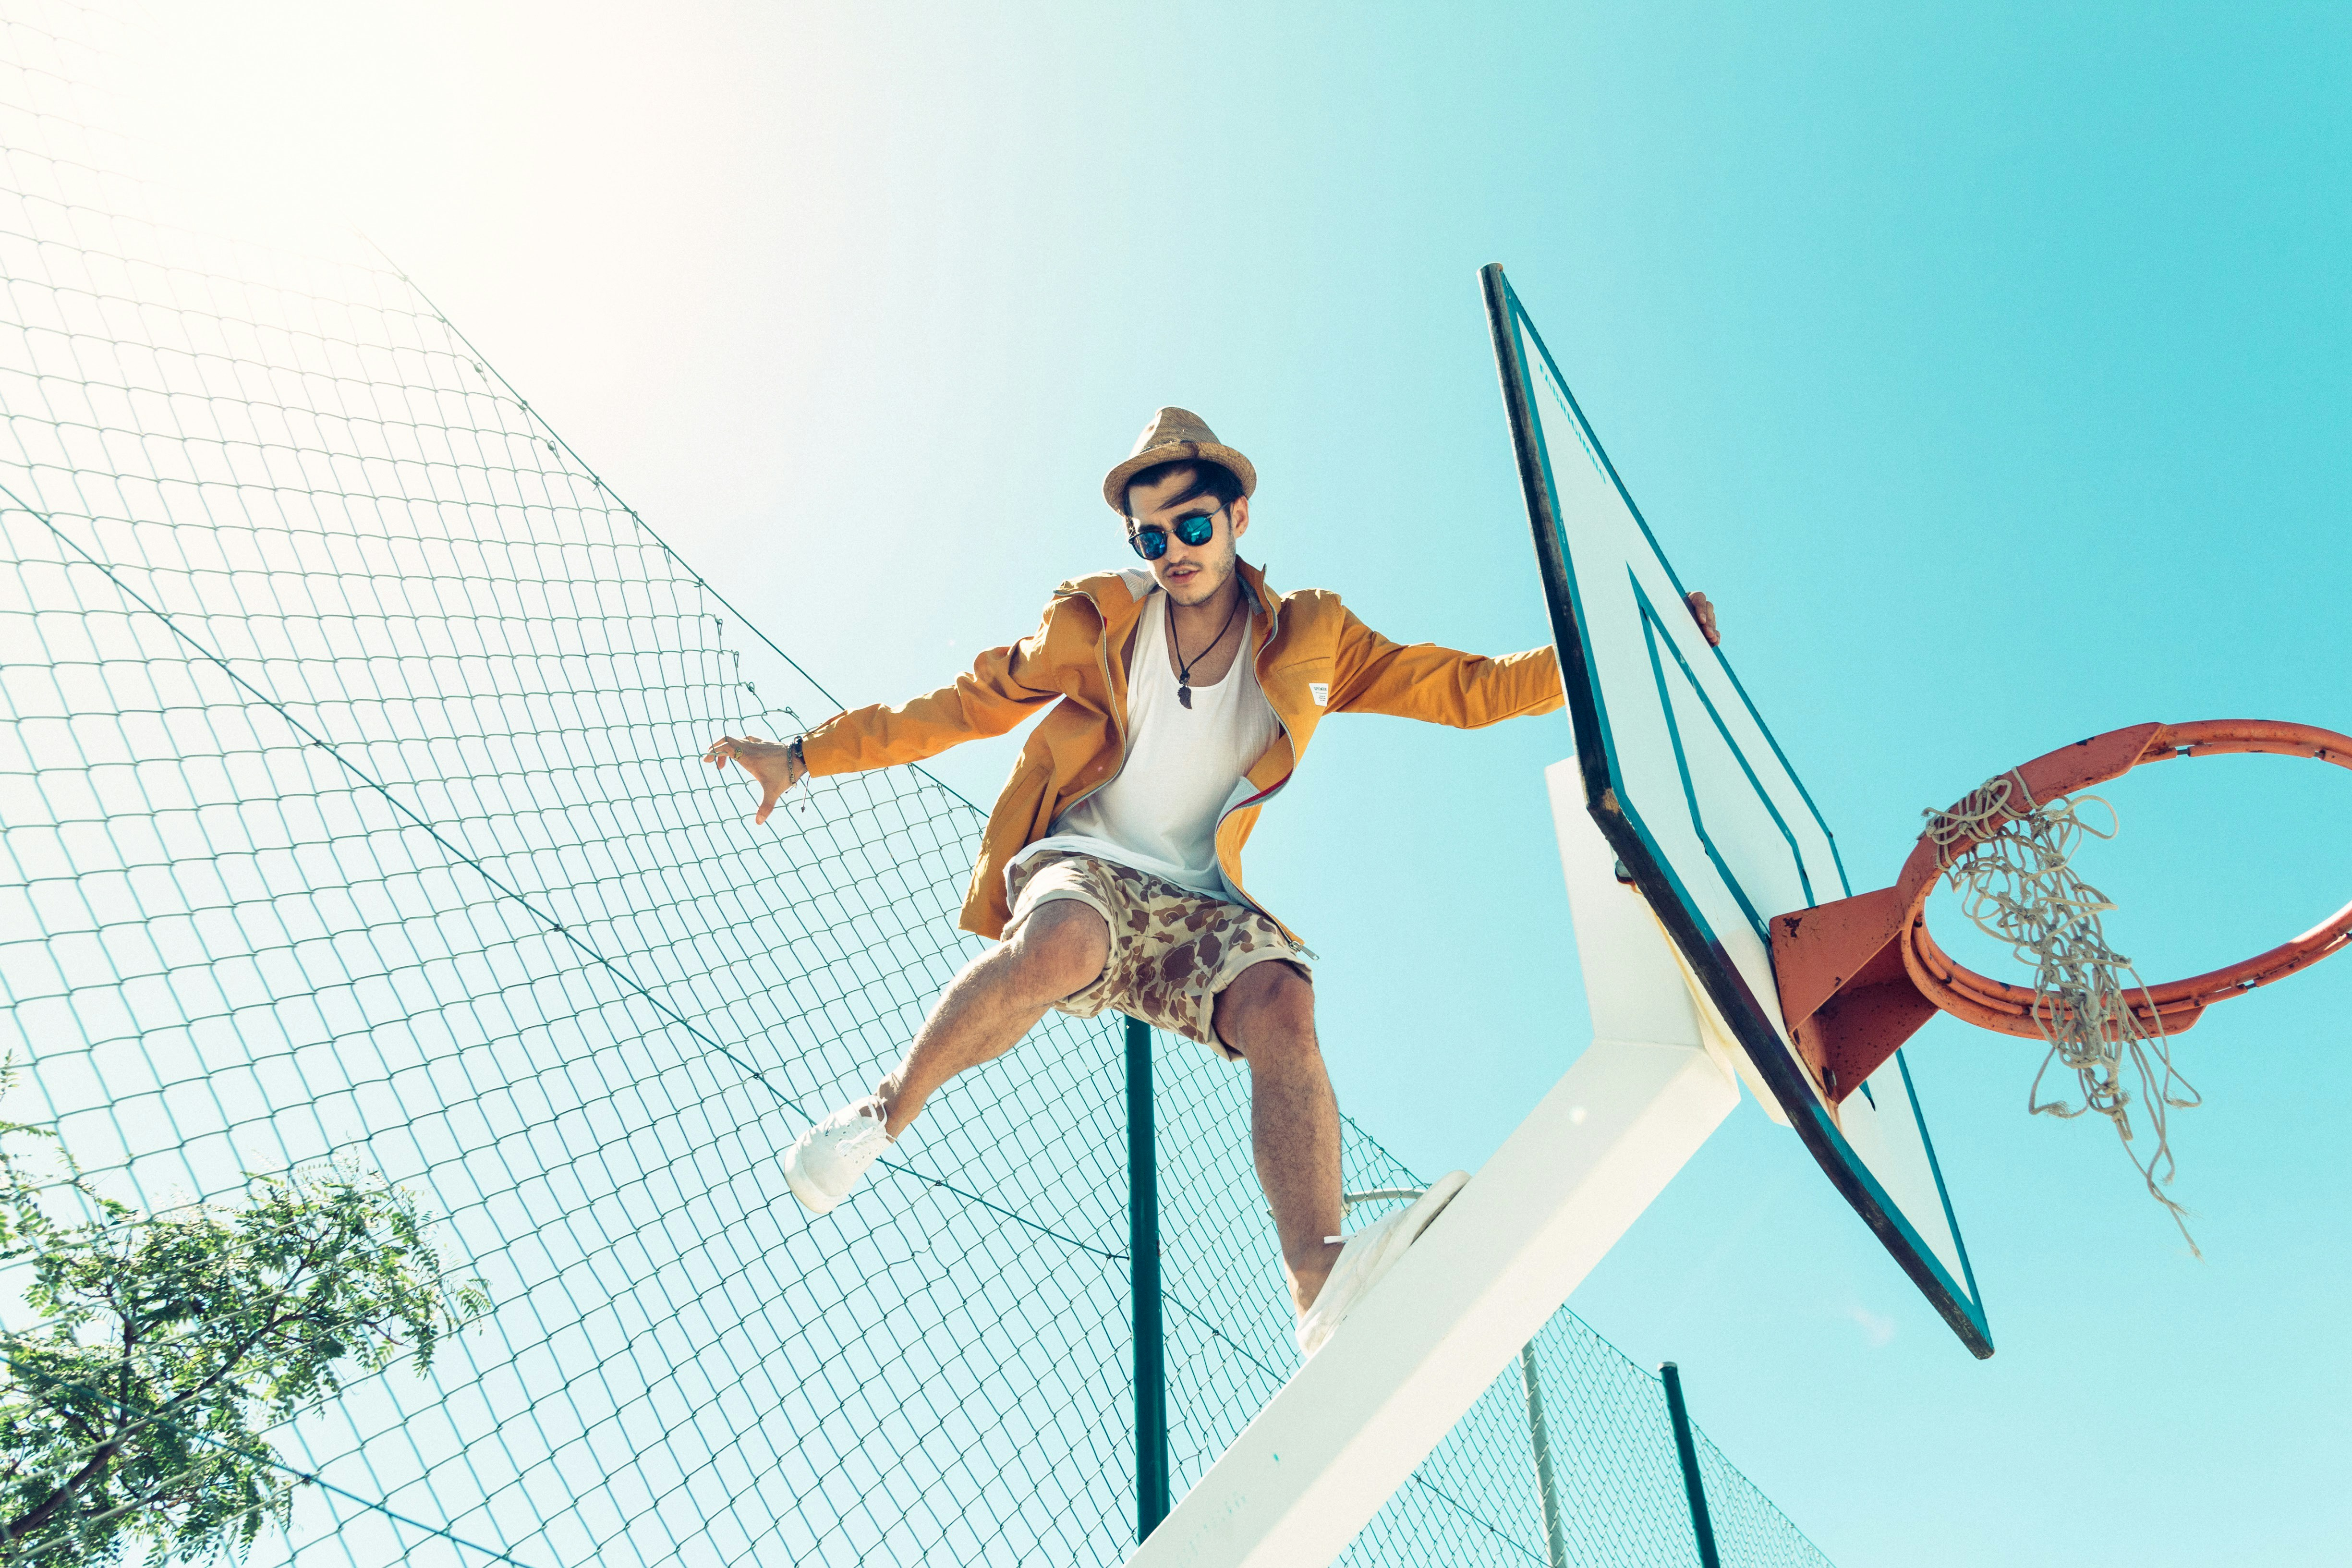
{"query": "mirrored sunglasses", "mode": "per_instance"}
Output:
(1151, 539)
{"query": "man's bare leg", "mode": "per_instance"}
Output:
(1060, 948)
(1268, 1015)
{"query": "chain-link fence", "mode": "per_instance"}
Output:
(349, 810)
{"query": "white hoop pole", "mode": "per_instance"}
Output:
(1331, 1446)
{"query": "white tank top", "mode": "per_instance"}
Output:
(1159, 814)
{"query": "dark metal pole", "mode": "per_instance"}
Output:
(1687, 1449)
(1143, 1263)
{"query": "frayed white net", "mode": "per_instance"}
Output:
(2011, 858)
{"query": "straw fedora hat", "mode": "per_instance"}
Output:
(1175, 435)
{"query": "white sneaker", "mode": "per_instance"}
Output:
(824, 1163)
(1369, 1253)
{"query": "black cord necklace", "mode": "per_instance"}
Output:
(1184, 666)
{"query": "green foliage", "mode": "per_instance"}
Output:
(163, 1345)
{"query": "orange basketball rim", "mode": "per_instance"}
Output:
(1859, 976)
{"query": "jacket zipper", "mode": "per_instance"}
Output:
(1273, 627)
(1118, 719)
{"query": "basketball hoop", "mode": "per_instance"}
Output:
(1859, 976)
(2167, 1008)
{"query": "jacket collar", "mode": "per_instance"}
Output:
(1119, 596)
(1268, 602)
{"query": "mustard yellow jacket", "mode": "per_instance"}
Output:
(1314, 657)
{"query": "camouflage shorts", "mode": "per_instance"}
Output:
(1171, 949)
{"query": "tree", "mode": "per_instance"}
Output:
(164, 1344)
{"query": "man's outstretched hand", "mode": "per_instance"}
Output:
(770, 763)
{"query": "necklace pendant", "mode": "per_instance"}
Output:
(1184, 695)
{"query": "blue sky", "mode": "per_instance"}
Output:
(1988, 366)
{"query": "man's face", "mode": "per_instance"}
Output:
(1192, 574)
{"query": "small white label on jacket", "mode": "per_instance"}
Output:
(1321, 692)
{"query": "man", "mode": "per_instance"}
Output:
(1183, 697)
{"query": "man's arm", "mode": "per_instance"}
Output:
(992, 699)
(1003, 686)
(1372, 675)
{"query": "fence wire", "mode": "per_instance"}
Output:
(349, 808)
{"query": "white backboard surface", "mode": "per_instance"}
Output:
(1703, 812)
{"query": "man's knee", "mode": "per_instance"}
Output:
(1061, 948)
(1269, 1009)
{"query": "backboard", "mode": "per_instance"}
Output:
(1707, 820)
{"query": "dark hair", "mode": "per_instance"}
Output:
(1208, 480)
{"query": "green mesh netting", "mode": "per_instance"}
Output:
(348, 807)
